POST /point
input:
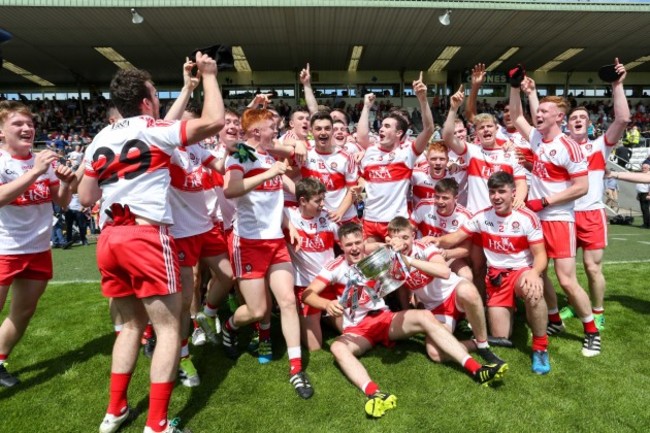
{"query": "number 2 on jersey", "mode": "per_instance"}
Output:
(134, 160)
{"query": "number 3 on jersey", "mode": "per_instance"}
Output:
(134, 160)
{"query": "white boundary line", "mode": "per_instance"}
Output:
(61, 282)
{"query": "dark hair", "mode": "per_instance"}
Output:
(348, 229)
(346, 115)
(298, 110)
(448, 184)
(309, 187)
(128, 88)
(501, 178)
(194, 107)
(399, 223)
(320, 115)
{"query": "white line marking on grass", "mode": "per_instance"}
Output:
(619, 239)
(644, 242)
(624, 262)
(62, 282)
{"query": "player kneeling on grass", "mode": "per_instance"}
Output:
(514, 248)
(372, 323)
(441, 291)
(316, 236)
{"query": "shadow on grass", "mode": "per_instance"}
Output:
(631, 303)
(60, 364)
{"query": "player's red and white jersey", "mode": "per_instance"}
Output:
(429, 290)
(430, 222)
(130, 160)
(337, 273)
(220, 208)
(457, 167)
(212, 180)
(596, 152)
(317, 237)
(388, 179)
(424, 184)
(337, 171)
(521, 144)
(186, 195)
(556, 163)
(26, 222)
(259, 212)
(483, 163)
(351, 147)
(506, 239)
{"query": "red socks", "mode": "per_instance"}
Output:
(118, 388)
(159, 397)
(540, 343)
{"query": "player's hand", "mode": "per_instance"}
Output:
(356, 193)
(335, 215)
(457, 98)
(263, 99)
(305, 76)
(478, 75)
(205, 64)
(43, 160)
(334, 309)
(518, 203)
(620, 69)
(300, 152)
(396, 244)
(427, 240)
(533, 287)
(369, 100)
(359, 156)
(279, 168)
(189, 81)
(64, 173)
(420, 88)
(528, 86)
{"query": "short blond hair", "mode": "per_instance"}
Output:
(8, 107)
(484, 117)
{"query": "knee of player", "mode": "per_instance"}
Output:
(339, 349)
(433, 353)
(468, 294)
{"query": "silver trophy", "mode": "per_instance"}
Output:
(385, 268)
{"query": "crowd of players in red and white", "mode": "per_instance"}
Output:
(473, 222)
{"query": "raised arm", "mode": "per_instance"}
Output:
(448, 136)
(420, 90)
(621, 109)
(310, 99)
(517, 114)
(363, 126)
(189, 84)
(213, 115)
(528, 86)
(478, 77)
